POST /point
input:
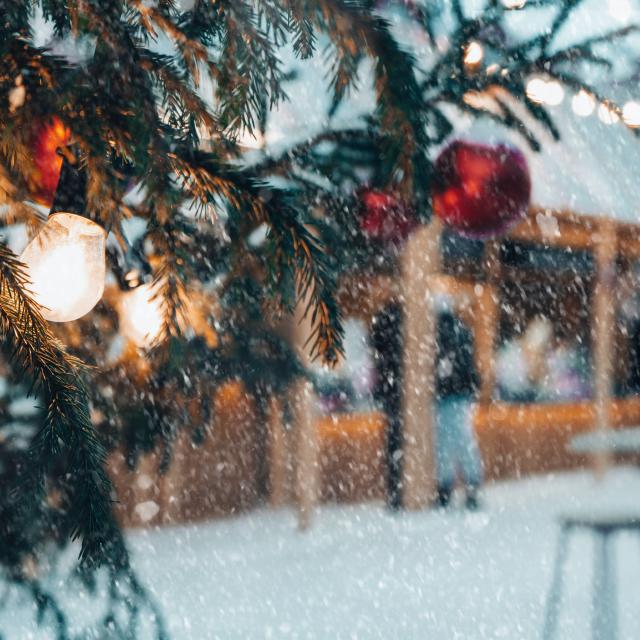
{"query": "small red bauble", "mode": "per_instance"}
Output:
(46, 138)
(384, 217)
(481, 190)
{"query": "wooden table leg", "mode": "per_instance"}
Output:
(277, 453)
(552, 611)
(605, 616)
(307, 450)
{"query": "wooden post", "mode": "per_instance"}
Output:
(277, 453)
(306, 445)
(602, 333)
(421, 261)
(307, 449)
(486, 321)
(146, 491)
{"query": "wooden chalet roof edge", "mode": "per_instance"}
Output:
(362, 293)
(566, 228)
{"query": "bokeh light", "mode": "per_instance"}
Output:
(631, 114)
(583, 104)
(473, 53)
(543, 91)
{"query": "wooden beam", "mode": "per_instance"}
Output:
(487, 317)
(307, 449)
(629, 241)
(420, 263)
(555, 229)
(568, 229)
(461, 291)
(603, 320)
(362, 295)
(303, 403)
(277, 452)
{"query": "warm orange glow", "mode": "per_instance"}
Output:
(451, 198)
(350, 426)
(474, 188)
(141, 316)
(46, 140)
(473, 54)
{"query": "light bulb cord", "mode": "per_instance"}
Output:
(130, 266)
(71, 192)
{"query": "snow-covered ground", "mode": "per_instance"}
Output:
(361, 572)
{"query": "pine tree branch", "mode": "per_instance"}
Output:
(355, 30)
(295, 252)
(67, 428)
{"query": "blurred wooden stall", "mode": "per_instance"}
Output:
(218, 476)
(557, 263)
(563, 265)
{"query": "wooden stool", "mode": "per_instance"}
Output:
(604, 623)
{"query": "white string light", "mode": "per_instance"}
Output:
(473, 54)
(583, 104)
(536, 90)
(543, 91)
(631, 114)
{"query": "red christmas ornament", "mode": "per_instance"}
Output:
(46, 138)
(481, 190)
(384, 217)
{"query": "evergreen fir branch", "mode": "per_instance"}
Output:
(272, 20)
(566, 7)
(517, 63)
(295, 252)
(426, 15)
(46, 605)
(193, 52)
(67, 426)
(249, 69)
(456, 7)
(173, 86)
(300, 23)
(354, 29)
(13, 193)
(205, 21)
(173, 272)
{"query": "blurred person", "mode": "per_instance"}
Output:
(347, 386)
(457, 384)
(567, 372)
(632, 383)
(521, 362)
(386, 340)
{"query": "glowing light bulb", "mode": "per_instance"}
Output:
(545, 91)
(536, 90)
(514, 4)
(141, 316)
(473, 54)
(631, 114)
(606, 115)
(583, 104)
(554, 93)
(66, 265)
